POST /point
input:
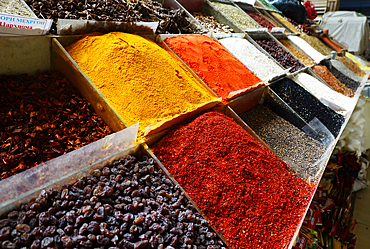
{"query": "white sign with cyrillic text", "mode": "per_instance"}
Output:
(20, 25)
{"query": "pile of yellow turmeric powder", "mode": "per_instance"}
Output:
(140, 80)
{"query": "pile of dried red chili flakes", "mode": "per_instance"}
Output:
(42, 117)
(245, 191)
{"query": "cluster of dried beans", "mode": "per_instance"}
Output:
(42, 117)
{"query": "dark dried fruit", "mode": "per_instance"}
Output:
(280, 55)
(23, 228)
(71, 220)
(5, 233)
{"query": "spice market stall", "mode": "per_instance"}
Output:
(220, 139)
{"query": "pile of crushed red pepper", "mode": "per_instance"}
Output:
(42, 117)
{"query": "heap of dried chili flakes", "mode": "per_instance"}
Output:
(42, 117)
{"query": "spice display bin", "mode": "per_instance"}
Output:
(335, 117)
(245, 36)
(175, 5)
(211, 10)
(230, 113)
(249, 36)
(265, 35)
(330, 147)
(72, 71)
(276, 104)
(310, 72)
(284, 37)
(28, 55)
(263, 14)
(358, 90)
(236, 6)
(161, 38)
(268, 16)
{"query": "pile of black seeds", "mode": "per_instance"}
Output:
(290, 143)
(128, 205)
(170, 21)
(350, 83)
(307, 106)
(280, 55)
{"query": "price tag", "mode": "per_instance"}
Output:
(333, 106)
(277, 30)
(20, 25)
(257, 30)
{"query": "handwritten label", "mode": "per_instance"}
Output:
(20, 25)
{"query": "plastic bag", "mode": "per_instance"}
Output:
(291, 8)
(311, 11)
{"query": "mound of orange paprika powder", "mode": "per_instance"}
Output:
(213, 63)
(246, 191)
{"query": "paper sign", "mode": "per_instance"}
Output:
(20, 25)
(277, 30)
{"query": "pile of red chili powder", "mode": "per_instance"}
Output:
(245, 191)
(219, 69)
